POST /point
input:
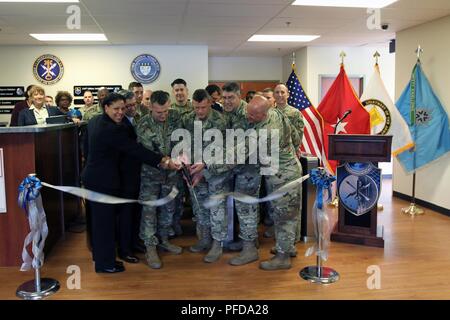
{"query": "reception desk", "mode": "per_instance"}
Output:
(52, 152)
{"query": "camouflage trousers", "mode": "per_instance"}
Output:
(286, 211)
(247, 180)
(214, 218)
(179, 200)
(155, 219)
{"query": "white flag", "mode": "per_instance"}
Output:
(385, 119)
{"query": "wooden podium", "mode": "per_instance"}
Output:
(50, 151)
(358, 186)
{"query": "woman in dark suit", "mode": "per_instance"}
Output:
(37, 113)
(107, 139)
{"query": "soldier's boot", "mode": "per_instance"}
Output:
(292, 254)
(270, 232)
(178, 229)
(248, 254)
(278, 261)
(214, 253)
(205, 241)
(172, 248)
(152, 258)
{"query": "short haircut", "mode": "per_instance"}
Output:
(49, 97)
(126, 94)
(36, 89)
(232, 87)
(178, 81)
(134, 84)
(213, 88)
(63, 94)
(160, 97)
(111, 98)
(87, 91)
(200, 95)
(268, 90)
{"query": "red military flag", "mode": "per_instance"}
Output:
(342, 102)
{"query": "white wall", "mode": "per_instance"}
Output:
(358, 62)
(433, 181)
(301, 66)
(245, 68)
(95, 65)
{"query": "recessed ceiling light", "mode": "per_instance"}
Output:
(69, 36)
(282, 38)
(345, 3)
(40, 1)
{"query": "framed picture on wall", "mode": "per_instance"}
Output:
(325, 82)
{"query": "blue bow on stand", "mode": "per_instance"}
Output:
(319, 274)
(30, 199)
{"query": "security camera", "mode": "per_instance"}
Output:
(385, 26)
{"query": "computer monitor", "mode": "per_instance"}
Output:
(56, 119)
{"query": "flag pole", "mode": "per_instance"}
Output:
(377, 55)
(335, 201)
(413, 209)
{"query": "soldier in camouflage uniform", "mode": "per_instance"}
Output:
(281, 95)
(212, 223)
(96, 109)
(183, 106)
(154, 132)
(138, 89)
(244, 178)
(285, 209)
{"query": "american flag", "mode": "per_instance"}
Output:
(312, 136)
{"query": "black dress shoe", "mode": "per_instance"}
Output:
(139, 248)
(129, 259)
(118, 263)
(110, 270)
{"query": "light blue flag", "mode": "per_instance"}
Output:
(427, 122)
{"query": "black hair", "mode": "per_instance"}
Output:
(213, 88)
(160, 97)
(232, 87)
(111, 98)
(200, 95)
(134, 84)
(178, 81)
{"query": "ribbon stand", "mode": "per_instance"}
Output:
(30, 199)
(413, 209)
(319, 273)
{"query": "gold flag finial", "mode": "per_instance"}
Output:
(342, 55)
(293, 61)
(419, 52)
(376, 55)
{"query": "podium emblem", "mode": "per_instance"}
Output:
(145, 68)
(359, 186)
(48, 69)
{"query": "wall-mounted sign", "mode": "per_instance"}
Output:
(48, 69)
(11, 92)
(78, 91)
(145, 68)
(2, 184)
(9, 102)
(6, 110)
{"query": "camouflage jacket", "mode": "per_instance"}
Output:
(92, 111)
(182, 110)
(238, 117)
(156, 136)
(297, 124)
(215, 120)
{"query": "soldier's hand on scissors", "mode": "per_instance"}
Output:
(196, 168)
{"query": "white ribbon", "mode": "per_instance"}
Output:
(215, 200)
(38, 234)
(104, 198)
